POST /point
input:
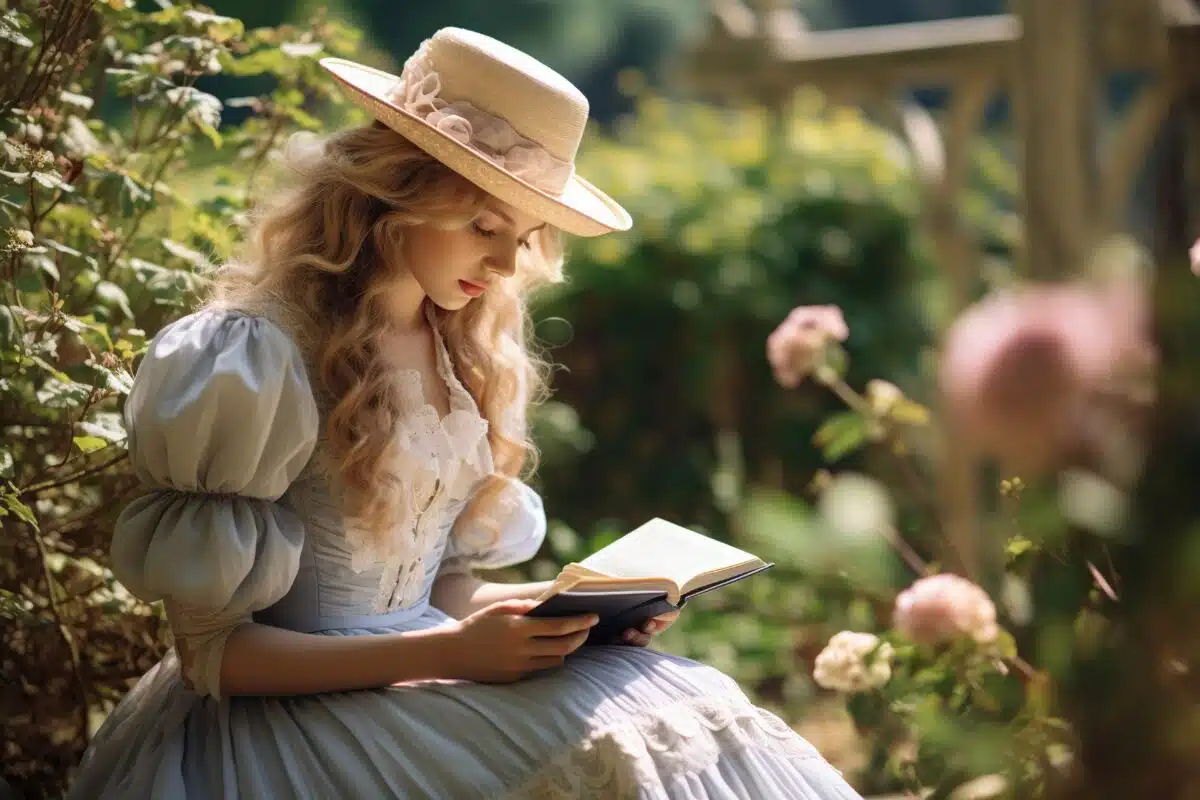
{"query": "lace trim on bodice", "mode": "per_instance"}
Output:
(442, 460)
(655, 748)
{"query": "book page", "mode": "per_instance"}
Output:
(662, 549)
(574, 578)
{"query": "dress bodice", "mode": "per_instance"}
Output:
(242, 521)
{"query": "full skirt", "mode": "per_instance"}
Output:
(613, 722)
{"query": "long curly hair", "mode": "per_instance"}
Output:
(322, 257)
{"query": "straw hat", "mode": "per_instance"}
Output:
(498, 117)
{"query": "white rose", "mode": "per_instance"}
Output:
(853, 662)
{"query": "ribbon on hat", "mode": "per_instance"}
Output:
(492, 137)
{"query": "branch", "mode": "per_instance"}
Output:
(53, 484)
(905, 551)
(68, 639)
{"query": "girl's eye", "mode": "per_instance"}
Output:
(485, 233)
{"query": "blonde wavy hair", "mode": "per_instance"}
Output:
(321, 259)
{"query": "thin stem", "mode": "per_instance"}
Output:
(905, 551)
(137, 222)
(68, 639)
(83, 473)
(846, 394)
(261, 156)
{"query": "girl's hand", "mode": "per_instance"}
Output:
(499, 644)
(650, 628)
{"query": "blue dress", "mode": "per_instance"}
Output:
(240, 524)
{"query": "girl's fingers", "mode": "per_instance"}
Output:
(545, 662)
(635, 638)
(560, 626)
(557, 645)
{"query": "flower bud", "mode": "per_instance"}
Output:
(797, 348)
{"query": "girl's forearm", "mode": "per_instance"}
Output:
(462, 594)
(263, 660)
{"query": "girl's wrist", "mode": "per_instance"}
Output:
(429, 654)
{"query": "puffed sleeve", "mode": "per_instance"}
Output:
(221, 419)
(511, 535)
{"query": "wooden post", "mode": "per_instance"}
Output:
(1134, 701)
(1054, 88)
(941, 153)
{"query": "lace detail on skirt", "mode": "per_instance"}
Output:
(657, 747)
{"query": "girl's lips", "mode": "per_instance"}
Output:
(471, 289)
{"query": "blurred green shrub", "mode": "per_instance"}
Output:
(740, 214)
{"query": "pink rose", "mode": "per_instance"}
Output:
(945, 607)
(1195, 254)
(1018, 368)
(798, 345)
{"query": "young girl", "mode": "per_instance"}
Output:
(332, 444)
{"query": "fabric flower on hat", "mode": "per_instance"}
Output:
(853, 662)
(945, 607)
(797, 347)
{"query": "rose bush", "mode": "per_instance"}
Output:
(1050, 382)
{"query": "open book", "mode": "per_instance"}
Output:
(649, 571)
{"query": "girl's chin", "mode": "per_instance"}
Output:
(451, 303)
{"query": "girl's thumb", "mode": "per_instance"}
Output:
(511, 607)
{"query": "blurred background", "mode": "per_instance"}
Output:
(995, 200)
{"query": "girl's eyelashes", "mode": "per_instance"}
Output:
(488, 234)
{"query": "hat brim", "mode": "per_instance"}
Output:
(581, 209)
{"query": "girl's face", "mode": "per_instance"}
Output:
(455, 266)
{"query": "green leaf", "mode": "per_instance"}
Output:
(219, 28)
(37, 259)
(52, 370)
(80, 101)
(841, 434)
(196, 259)
(105, 425)
(906, 412)
(28, 279)
(201, 108)
(837, 359)
(11, 503)
(111, 294)
(18, 178)
(51, 180)
(63, 394)
(133, 196)
(62, 248)
(11, 23)
(267, 60)
(302, 118)
(129, 81)
(89, 444)
(209, 132)
(10, 331)
(118, 381)
(1017, 545)
(1005, 645)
